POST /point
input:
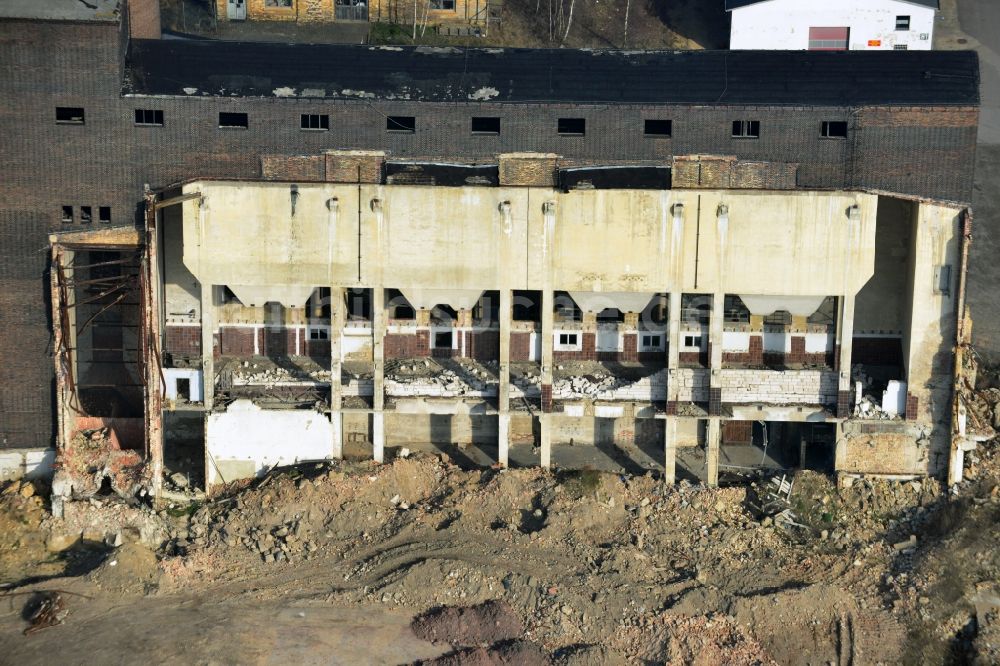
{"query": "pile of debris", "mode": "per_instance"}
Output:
(867, 405)
(268, 375)
(425, 377)
(93, 463)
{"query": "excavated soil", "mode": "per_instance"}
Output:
(526, 566)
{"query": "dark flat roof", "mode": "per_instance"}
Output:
(736, 4)
(434, 74)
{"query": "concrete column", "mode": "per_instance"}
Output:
(463, 318)
(207, 346)
(337, 307)
(670, 450)
(546, 430)
(715, 332)
(715, 354)
(631, 321)
(844, 338)
(503, 388)
(378, 377)
(546, 377)
(423, 317)
(713, 438)
(589, 321)
(673, 343)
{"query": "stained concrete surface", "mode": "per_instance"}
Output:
(188, 629)
(978, 24)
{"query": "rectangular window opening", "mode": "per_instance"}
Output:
(692, 341)
(657, 127)
(69, 115)
(184, 388)
(315, 121)
(443, 4)
(746, 129)
(233, 120)
(442, 340)
(485, 125)
(569, 339)
(151, 117)
(572, 126)
(67, 214)
(319, 334)
(834, 129)
(899, 47)
(86, 215)
(104, 214)
(401, 124)
(902, 23)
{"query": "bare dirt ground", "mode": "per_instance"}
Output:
(329, 563)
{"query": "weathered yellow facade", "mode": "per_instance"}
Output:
(794, 251)
(421, 12)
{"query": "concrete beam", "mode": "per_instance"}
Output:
(713, 439)
(546, 440)
(337, 307)
(503, 390)
(670, 450)
(378, 376)
(207, 346)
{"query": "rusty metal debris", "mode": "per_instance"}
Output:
(46, 608)
(50, 611)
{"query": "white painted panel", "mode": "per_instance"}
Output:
(784, 24)
(736, 341)
(608, 340)
(777, 342)
(354, 340)
(819, 343)
(894, 398)
(170, 377)
(573, 410)
(39, 464)
(609, 411)
(264, 438)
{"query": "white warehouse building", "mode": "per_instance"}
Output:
(832, 25)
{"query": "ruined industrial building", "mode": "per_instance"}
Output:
(218, 258)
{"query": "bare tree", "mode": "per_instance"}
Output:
(569, 21)
(628, 3)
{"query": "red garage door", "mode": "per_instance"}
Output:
(828, 39)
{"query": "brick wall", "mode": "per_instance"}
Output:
(737, 432)
(778, 386)
(887, 453)
(587, 350)
(183, 340)
(293, 167)
(520, 346)
(106, 161)
(407, 345)
(482, 345)
(239, 341)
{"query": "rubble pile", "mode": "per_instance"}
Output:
(461, 377)
(983, 409)
(93, 461)
(269, 375)
(868, 406)
(568, 561)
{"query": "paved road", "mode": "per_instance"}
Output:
(979, 20)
